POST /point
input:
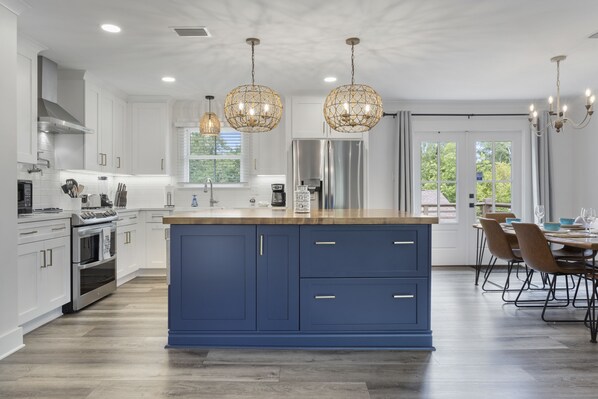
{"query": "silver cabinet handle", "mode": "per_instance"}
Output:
(325, 297)
(261, 244)
(403, 296)
(325, 242)
(50, 263)
(403, 242)
(59, 228)
(28, 233)
(118, 162)
(44, 253)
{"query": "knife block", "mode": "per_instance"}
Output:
(121, 199)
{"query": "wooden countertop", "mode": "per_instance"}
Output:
(274, 216)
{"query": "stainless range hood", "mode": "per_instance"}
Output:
(51, 117)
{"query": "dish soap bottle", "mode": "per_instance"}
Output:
(194, 201)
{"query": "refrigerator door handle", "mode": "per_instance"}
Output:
(326, 177)
(331, 176)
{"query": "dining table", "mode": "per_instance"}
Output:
(574, 236)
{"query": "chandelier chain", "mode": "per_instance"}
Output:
(558, 84)
(252, 63)
(352, 64)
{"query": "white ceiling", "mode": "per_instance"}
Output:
(410, 49)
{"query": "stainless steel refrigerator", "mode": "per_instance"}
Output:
(332, 170)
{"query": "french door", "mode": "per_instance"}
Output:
(460, 176)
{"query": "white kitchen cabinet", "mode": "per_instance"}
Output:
(27, 101)
(121, 160)
(127, 245)
(150, 128)
(269, 152)
(307, 120)
(155, 239)
(43, 269)
(100, 110)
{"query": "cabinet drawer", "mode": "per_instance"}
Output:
(364, 251)
(155, 216)
(127, 219)
(364, 304)
(36, 231)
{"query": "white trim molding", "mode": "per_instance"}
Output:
(15, 6)
(11, 342)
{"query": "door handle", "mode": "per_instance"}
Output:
(162, 164)
(28, 233)
(118, 162)
(403, 242)
(261, 244)
(325, 297)
(50, 263)
(59, 228)
(44, 263)
(325, 242)
(403, 296)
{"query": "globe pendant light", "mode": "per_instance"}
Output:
(209, 125)
(353, 108)
(253, 108)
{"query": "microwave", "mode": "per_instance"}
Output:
(24, 196)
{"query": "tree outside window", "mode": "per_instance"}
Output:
(215, 157)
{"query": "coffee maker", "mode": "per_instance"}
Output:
(279, 197)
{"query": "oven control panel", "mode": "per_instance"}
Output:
(93, 217)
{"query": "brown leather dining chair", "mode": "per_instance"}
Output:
(537, 255)
(500, 247)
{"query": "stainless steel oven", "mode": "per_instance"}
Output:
(93, 258)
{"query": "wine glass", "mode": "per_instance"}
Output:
(588, 215)
(539, 212)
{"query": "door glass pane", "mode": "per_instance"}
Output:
(429, 162)
(493, 176)
(429, 199)
(438, 171)
(484, 198)
(448, 161)
(448, 202)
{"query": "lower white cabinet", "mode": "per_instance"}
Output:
(155, 240)
(127, 244)
(43, 276)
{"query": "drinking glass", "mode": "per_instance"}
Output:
(588, 215)
(539, 212)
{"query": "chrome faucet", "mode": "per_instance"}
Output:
(205, 190)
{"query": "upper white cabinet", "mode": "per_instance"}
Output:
(103, 112)
(269, 152)
(27, 100)
(150, 128)
(121, 160)
(307, 120)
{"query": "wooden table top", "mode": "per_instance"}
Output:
(571, 239)
(287, 216)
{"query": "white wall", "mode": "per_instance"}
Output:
(11, 336)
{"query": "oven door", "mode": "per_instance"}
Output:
(88, 243)
(95, 275)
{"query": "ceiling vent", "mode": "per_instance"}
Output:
(192, 31)
(594, 36)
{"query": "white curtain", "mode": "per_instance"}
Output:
(542, 165)
(404, 162)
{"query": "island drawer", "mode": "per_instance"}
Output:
(364, 304)
(364, 251)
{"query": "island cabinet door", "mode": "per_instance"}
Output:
(278, 278)
(212, 285)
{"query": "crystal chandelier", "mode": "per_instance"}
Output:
(253, 108)
(558, 117)
(353, 108)
(209, 125)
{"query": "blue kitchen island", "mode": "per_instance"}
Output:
(349, 278)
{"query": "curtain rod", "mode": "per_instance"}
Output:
(467, 115)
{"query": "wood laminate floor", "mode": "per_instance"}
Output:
(485, 349)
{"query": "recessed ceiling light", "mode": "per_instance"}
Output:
(329, 79)
(110, 28)
(168, 79)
